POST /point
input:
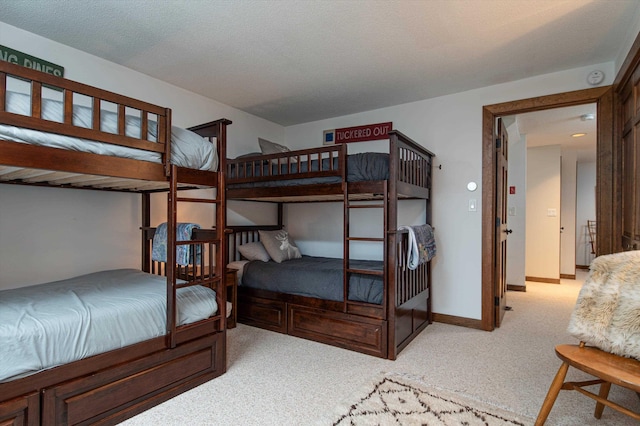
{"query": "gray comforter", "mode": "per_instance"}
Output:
(318, 277)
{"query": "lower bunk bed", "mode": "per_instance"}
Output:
(306, 297)
(98, 348)
(107, 354)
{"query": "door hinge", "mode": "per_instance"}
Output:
(498, 143)
(497, 301)
(498, 221)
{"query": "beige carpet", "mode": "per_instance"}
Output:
(393, 398)
(274, 379)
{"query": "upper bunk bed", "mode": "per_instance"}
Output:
(317, 174)
(60, 133)
(82, 132)
(375, 306)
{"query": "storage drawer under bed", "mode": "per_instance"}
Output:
(366, 335)
(114, 394)
(263, 313)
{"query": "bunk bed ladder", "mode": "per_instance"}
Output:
(206, 265)
(349, 205)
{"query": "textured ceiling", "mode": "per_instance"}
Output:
(295, 61)
(555, 127)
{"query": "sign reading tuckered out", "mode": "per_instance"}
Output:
(19, 58)
(369, 132)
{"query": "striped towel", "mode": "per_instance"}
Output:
(422, 244)
(183, 252)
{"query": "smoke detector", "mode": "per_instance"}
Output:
(587, 117)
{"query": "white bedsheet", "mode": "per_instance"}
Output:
(188, 149)
(51, 324)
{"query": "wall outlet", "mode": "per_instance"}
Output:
(552, 212)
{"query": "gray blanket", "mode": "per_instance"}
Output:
(318, 277)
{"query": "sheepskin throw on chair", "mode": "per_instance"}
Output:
(607, 312)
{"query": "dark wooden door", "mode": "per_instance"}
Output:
(502, 145)
(630, 170)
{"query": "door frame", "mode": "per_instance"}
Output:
(605, 195)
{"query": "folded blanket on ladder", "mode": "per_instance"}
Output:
(422, 244)
(183, 252)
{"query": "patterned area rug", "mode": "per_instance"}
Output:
(394, 399)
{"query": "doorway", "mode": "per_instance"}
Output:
(603, 98)
(552, 159)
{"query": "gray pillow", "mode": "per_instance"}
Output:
(279, 245)
(254, 251)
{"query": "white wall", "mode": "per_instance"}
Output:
(451, 127)
(48, 234)
(516, 206)
(568, 213)
(632, 32)
(586, 210)
(543, 227)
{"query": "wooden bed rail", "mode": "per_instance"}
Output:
(202, 247)
(70, 92)
(288, 165)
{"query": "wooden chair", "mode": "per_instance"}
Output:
(606, 367)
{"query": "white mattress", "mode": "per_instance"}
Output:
(51, 324)
(188, 149)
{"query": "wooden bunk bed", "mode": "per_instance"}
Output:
(381, 328)
(108, 387)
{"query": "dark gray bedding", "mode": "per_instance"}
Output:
(318, 277)
(360, 167)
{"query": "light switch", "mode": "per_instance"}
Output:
(473, 205)
(552, 212)
(512, 211)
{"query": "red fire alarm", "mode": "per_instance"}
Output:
(512, 190)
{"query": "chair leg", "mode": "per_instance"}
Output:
(604, 393)
(552, 394)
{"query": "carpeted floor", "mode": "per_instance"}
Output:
(399, 399)
(273, 379)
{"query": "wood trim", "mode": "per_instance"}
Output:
(516, 287)
(605, 198)
(455, 320)
(543, 280)
(583, 267)
(568, 276)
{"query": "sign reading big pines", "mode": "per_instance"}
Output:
(20, 58)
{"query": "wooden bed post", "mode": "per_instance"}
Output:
(146, 223)
(170, 267)
(391, 226)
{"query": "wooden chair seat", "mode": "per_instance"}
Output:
(607, 367)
